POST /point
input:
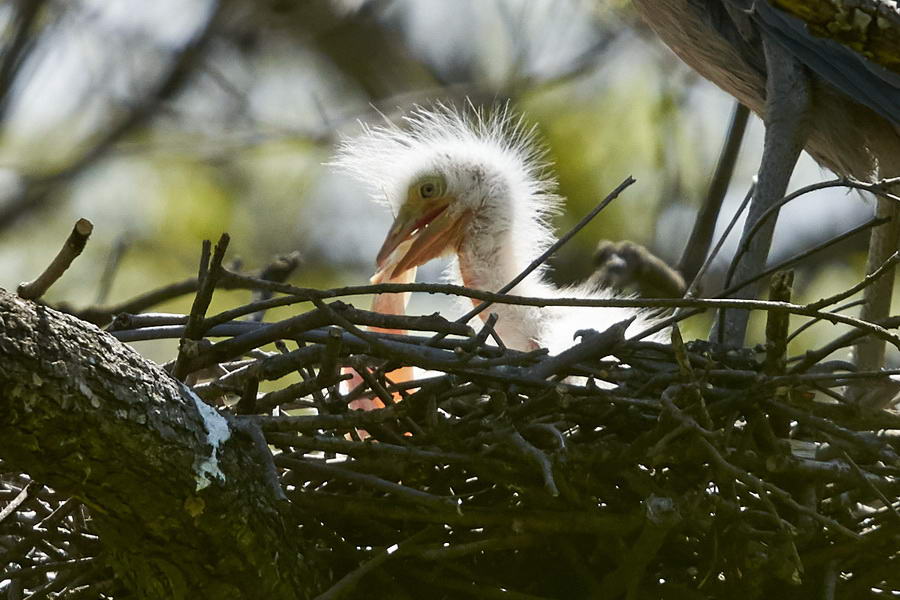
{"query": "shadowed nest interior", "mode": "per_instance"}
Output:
(618, 468)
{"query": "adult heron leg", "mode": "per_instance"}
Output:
(787, 126)
(869, 354)
(882, 244)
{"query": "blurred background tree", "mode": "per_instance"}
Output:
(167, 123)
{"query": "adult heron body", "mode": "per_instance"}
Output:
(811, 93)
(853, 106)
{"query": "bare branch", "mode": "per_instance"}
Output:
(75, 243)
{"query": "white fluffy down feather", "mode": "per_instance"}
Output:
(483, 176)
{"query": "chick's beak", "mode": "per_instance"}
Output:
(419, 233)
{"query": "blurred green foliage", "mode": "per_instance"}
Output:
(238, 144)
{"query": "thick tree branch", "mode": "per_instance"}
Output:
(88, 416)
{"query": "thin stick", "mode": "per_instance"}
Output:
(349, 582)
(869, 279)
(762, 487)
(539, 458)
(696, 303)
(684, 312)
(813, 356)
(695, 282)
(75, 243)
(875, 188)
(109, 271)
(793, 260)
(15, 503)
(194, 329)
(812, 322)
(692, 260)
(549, 251)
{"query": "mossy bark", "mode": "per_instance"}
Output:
(869, 27)
(90, 417)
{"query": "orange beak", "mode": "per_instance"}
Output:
(422, 231)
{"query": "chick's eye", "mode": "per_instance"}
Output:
(428, 190)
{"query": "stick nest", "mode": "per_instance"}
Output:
(616, 469)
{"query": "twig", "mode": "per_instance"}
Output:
(349, 582)
(25, 17)
(253, 431)
(278, 270)
(800, 256)
(380, 451)
(813, 356)
(272, 367)
(463, 582)
(101, 315)
(261, 335)
(756, 483)
(547, 521)
(867, 441)
(868, 280)
(877, 187)
(537, 262)
(15, 503)
(125, 321)
(109, 270)
(511, 542)
(193, 329)
(311, 423)
(330, 367)
(777, 324)
(481, 337)
(307, 373)
(492, 297)
(593, 345)
(888, 504)
(538, 457)
(339, 319)
(697, 247)
(694, 283)
(812, 322)
(375, 386)
(247, 404)
(45, 567)
(398, 491)
(73, 246)
(167, 332)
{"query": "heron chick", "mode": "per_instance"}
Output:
(474, 187)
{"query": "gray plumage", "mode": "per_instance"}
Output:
(855, 103)
(812, 93)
